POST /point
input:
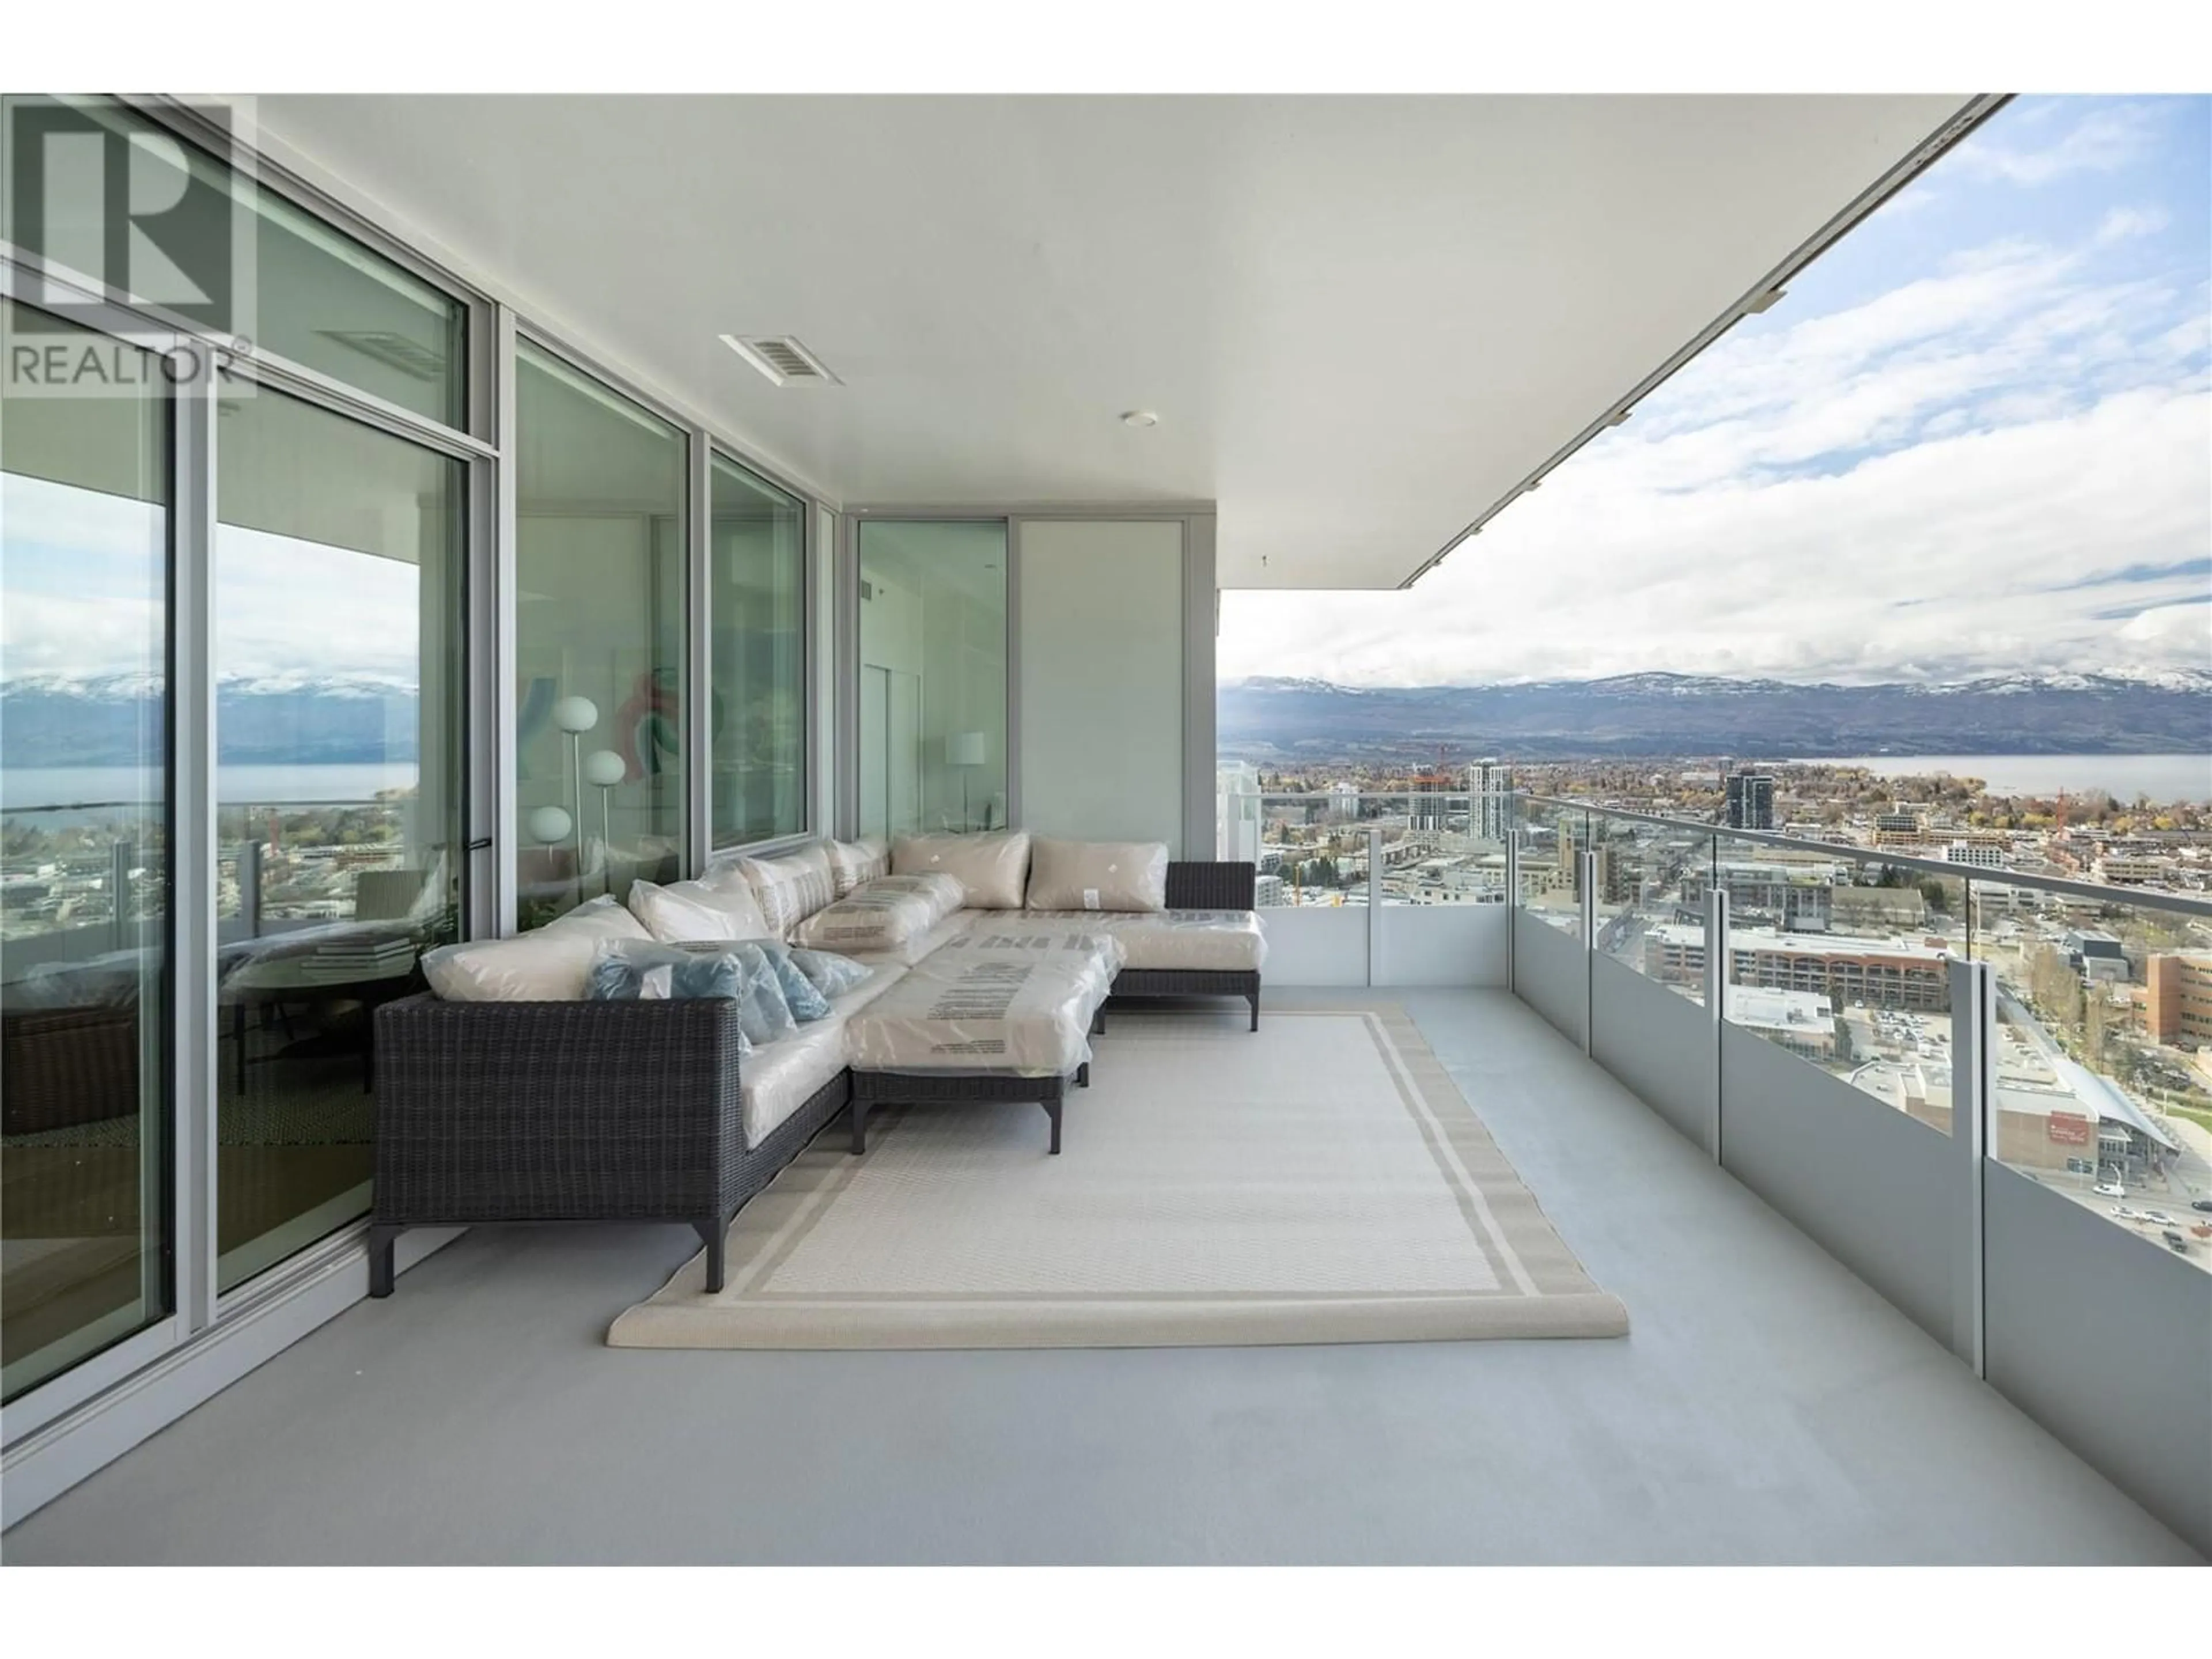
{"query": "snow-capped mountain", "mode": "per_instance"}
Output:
(2149, 712)
(284, 720)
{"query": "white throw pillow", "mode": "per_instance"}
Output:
(1098, 875)
(549, 965)
(994, 868)
(687, 911)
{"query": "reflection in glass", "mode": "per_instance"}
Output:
(1652, 883)
(84, 932)
(1552, 840)
(599, 527)
(2100, 1089)
(757, 656)
(1845, 961)
(308, 294)
(338, 683)
(933, 676)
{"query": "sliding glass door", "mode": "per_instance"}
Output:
(338, 651)
(85, 1126)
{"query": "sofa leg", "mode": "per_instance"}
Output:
(1083, 1075)
(1098, 1022)
(713, 1232)
(383, 1241)
(1051, 1109)
(859, 1110)
(1253, 997)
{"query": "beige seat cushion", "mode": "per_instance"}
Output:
(888, 913)
(1218, 941)
(1017, 1000)
(994, 868)
(779, 1077)
(906, 955)
(1097, 875)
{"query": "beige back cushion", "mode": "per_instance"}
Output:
(791, 887)
(994, 868)
(686, 911)
(856, 863)
(1098, 875)
(549, 965)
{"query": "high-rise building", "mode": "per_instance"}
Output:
(1751, 801)
(1490, 802)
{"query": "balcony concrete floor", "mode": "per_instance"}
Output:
(1768, 1407)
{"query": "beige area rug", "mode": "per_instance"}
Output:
(1323, 1180)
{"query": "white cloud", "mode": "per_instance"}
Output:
(2121, 222)
(1916, 486)
(2100, 142)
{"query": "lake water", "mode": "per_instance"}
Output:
(2161, 777)
(22, 787)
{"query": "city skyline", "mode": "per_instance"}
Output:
(1974, 438)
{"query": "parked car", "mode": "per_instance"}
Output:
(2125, 1214)
(2175, 1242)
(2159, 1219)
(2111, 1189)
(2204, 1204)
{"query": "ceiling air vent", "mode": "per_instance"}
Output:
(394, 350)
(781, 358)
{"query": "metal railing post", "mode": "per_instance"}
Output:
(1512, 902)
(1973, 1050)
(1716, 983)
(120, 858)
(1587, 861)
(1374, 898)
(249, 888)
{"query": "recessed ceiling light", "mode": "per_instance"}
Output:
(1141, 418)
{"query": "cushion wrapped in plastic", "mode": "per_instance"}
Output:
(696, 910)
(547, 965)
(828, 972)
(883, 915)
(1097, 875)
(1017, 1001)
(790, 887)
(994, 868)
(645, 970)
(1216, 941)
(856, 863)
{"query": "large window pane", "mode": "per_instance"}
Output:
(84, 934)
(310, 294)
(598, 641)
(933, 676)
(337, 652)
(757, 658)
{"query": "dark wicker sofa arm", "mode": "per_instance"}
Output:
(1208, 886)
(491, 1112)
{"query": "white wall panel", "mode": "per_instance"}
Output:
(1101, 679)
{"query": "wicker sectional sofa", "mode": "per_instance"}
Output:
(545, 1111)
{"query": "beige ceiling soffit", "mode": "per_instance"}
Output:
(1760, 297)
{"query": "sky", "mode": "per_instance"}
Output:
(1975, 438)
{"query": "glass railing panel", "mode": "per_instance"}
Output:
(1652, 880)
(2101, 1088)
(1315, 846)
(1551, 837)
(1845, 961)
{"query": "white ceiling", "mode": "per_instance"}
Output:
(1362, 321)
